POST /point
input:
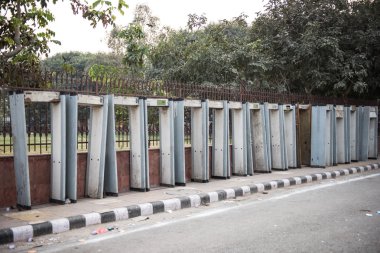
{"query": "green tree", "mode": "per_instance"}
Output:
(24, 31)
(318, 47)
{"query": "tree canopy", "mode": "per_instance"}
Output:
(24, 31)
(323, 47)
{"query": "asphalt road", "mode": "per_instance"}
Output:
(328, 217)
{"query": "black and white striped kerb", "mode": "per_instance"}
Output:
(23, 233)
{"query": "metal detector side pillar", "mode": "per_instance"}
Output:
(239, 138)
(318, 139)
(166, 115)
(373, 132)
(290, 135)
(71, 147)
(340, 133)
(347, 134)
(199, 142)
(20, 158)
(58, 151)
(277, 136)
(220, 139)
(364, 133)
(96, 150)
(354, 133)
(110, 169)
(138, 125)
(179, 142)
(261, 157)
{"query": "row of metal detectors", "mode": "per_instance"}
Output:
(264, 136)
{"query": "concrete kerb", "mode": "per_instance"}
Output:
(23, 233)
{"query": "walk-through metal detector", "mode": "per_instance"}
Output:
(290, 135)
(354, 133)
(303, 121)
(322, 136)
(220, 140)
(373, 132)
(179, 142)
(239, 138)
(364, 132)
(199, 140)
(138, 125)
(277, 136)
(20, 151)
(167, 162)
(260, 133)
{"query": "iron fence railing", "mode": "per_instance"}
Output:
(38, 114)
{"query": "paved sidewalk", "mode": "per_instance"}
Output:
(47, 212)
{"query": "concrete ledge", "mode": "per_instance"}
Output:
(23, 233)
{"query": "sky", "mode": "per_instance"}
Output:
(76, 34)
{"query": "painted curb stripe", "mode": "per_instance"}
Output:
(60, 225)
(134, 211)
(221, 195)
(21, 233)
(6, 235)
(230, 193)
(146, 209)
(280, 183)
(205, 198)
(43, 228)
(195, 200)
(185, 202)
(92, 218)
(77, 221)
(121, 213)
(172, 204)
(107, 217)
(246, 190)
(253, 189)
(158, 206)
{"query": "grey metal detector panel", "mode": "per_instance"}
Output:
(97, 150)
(20, 152)
(239, 141)
(354, 133)
(329, 136)
(340, 134)
(110, 170)
(318, 133)
(71, 146)
(373, 132)
(139, 146)
(364, 132)
(290, 135)
(220, 139)
(250, 144)
(58, 151)
(199, 143)
(166, 115)
(278, 150)
(179, 142)
(261, 157)
(347, 134)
